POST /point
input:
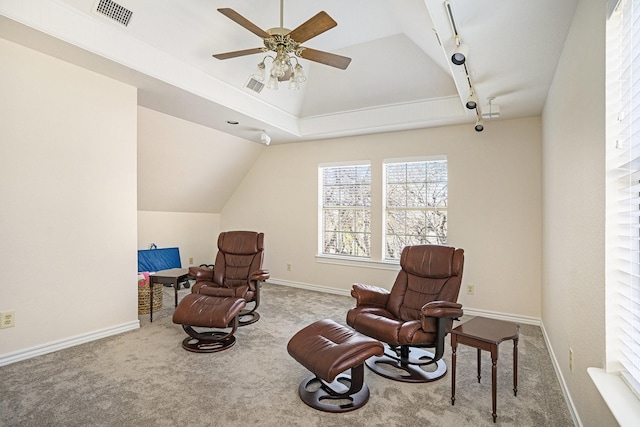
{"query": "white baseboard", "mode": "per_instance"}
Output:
(39, 350)
(563, 383)
(467, 311)
(509, 317)
(310, 287)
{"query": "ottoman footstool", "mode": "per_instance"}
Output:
(208, 312)
(328, 349)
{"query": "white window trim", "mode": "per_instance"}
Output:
(622, 401)
(320, 254)
(393, 265)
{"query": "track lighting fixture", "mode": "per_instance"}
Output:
(472, 100)
(459, 57)
(460, 53)
(265, 138)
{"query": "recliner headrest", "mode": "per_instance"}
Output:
(241, 242)
(430, 261)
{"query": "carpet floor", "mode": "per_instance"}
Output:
(145, 378)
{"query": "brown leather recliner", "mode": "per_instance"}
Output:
(417, 313)
(237, 271)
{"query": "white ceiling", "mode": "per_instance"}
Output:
(400, 76)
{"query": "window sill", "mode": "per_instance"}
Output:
(622, 402)
(358, 262)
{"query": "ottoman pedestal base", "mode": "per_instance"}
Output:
(335, 396)
(205, 311)
(328, 349)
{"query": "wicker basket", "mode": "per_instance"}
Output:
(143, 297)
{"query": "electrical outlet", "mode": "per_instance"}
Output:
(7, 319)
(470, 289)
(571, 359)
(190, 261)
(288, 267)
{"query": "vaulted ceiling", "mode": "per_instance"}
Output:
(400, 76)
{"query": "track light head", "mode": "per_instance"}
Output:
(472, 101)
(479, 127)
(265, 138)
(460, 54)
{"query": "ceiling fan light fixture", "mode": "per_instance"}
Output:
(294, 84)
(287, 46)
(280, 65)
(273, 83)
(298, 74)
(260, 72)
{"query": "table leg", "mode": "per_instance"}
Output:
(494, 380)
(454, 348)
(175, 287)
(515, 367)
(151, 300)
(479, 365)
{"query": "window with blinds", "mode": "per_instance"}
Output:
(416, 197)
(346, 210)
(623, 191)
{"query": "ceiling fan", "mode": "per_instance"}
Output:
(287, 44)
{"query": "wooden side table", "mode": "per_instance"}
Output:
(172, 277)
(485, 334)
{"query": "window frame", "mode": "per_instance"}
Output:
(622, 250)
(385, 207)
(321, 210)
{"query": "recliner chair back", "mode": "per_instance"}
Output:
(239, 254)
(434, 275)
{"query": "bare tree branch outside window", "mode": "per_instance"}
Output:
(346, 210)
(415, 205)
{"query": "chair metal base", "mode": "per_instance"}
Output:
(247, 317)
(335, 396)
(407, 369)
(207, 342)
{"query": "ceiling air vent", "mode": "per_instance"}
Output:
(255, 85)
(113, 10)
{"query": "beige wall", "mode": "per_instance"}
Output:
(68, 194)
(196, 234)
(494, 208)
(573, 309)
(186, 167)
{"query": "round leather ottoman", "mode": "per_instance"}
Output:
(208, 312)
(328, 349)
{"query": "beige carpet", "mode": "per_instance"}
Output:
(145, 378)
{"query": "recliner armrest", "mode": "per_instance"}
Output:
(367, 295)
(201, 273)
(442, 309)
(260, 275)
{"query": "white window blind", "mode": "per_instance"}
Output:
(623, 186)
(345, 210)
(416, 199)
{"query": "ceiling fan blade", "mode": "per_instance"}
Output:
(326, 58)
(237, 53)
(315, 25)
(241, 20)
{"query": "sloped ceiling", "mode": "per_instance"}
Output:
(400, 76)
(399, 52)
